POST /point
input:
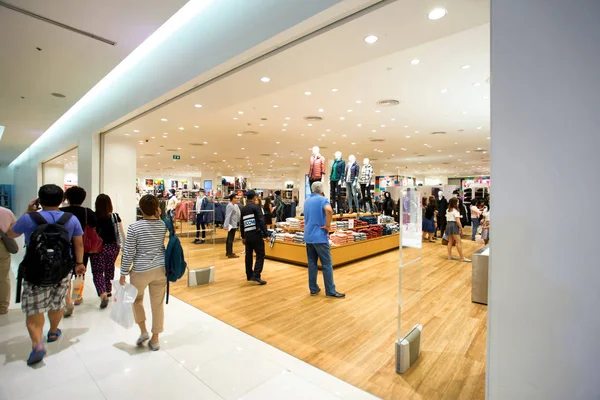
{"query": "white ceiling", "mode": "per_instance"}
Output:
(68, 63)
(341, 59)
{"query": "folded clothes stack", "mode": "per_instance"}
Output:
(288, 237)
(340, 225)
(386, 219)
(373, 231)
(295, 223)
(359, 237)
(390, 229)
(280, 237)
(359, 224)
(342, 237)
(369, 220)
(299, 237)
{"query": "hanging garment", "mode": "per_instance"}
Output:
(317, 167)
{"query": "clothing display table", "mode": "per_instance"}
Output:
(295, 253)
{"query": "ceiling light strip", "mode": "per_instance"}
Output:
(56, 23)
(295, 42)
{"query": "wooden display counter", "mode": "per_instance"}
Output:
(296, 253)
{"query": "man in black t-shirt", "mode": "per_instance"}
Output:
(253, 228)
(76, 195)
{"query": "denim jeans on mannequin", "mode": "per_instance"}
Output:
(351, 196)
(315, 252)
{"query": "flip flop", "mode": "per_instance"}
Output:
(36, 355)
(53, 336)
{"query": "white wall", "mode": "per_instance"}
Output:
(54, 174)
(544, 324)
(6, 176)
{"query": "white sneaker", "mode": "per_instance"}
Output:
(154, 346)
(143, 337)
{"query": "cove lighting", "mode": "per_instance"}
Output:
(371, 39)
(265, 79)
(185, 14)
(437, 13)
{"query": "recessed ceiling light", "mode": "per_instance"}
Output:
(198, 105)
(241, 112)
(377, 111)
(479, 127)
(393, 119)
(276, 143)
(215, 153)
(164, 119)
(334, 90)
(164, 137)
(437, 13)
(344, 135)
(359, 125)
(383, 126)
(408, 137)
(285, 124)
(342, 118)
(287, 118)
(275, 106)
(196, 126)
(128, 134)
(358, 101)
(239, 134)
(307, 93)
(181, 128)
(265, 79)
(235, 118)
(135, 130)
(488, 138)
(403, 149)
(283, 130)
(153, 137)
(327, 130)
(320, 110)
(352, 143)
(323, 135)
(477, 84)
(464, 113)
(416, 61)
(444, 91)
(205, 142)
(373, 131)
(466, 66)
(349, 111)
(371, 39)
(309, 124)
(406, 126)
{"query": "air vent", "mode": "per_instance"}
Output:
(250, 133)
(196, 144)
(149, 155)
(263, 119)
(375, 140)
(421, 155)
(171, 149)
(239, 158)
(313, 118)
(445, 163)
(265, 155)
(479, 151)
(438, 133)
(373, 159)
(387, 103)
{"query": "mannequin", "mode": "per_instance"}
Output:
(366, 174)
(338, 170)
(351, 179)
(317, 166)
(442, 208)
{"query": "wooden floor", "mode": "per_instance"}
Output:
(353, 338)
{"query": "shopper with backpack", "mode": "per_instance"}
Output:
(76, 195)
(145, 250)
(45, 273)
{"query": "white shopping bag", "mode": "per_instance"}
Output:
(121, 310)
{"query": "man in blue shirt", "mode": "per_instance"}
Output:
(317, 222)
(37, 300)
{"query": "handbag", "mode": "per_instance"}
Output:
(92, 243)
(10, 243)
(118, 232)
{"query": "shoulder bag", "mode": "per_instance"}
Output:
(92, 243)
(10, 243)
(118, 231)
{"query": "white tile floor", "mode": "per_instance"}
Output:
(201, 358)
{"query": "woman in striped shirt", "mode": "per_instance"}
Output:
(145, 249)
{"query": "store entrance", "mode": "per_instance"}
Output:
(61, 170)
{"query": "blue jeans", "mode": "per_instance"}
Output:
(475, 225)
(320, 251)
(351, 195)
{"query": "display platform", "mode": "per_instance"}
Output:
(343, 254)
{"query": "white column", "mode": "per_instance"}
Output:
(88, 167)
(543, 320)
(119, 175)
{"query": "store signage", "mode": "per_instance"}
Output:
(176, 157)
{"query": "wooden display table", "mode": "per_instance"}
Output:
(296, 253)
(353, 215)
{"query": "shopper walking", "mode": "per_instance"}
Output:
(388, 204)
(253, 229)
(7, 220)
(145, 249)
(454, 229)
(429, 219)
(279, 207)
(268, 210)
(103, 263)
(46, 279)
(317, 223)
(476, 207)
(232, 221)
(172, 205)
(76, 195)
(202, 215)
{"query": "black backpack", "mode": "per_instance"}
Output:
(48, 258)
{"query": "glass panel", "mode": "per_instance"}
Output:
(411, 218)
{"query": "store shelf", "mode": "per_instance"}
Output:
(343, 254)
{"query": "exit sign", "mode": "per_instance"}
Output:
(176, 157)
